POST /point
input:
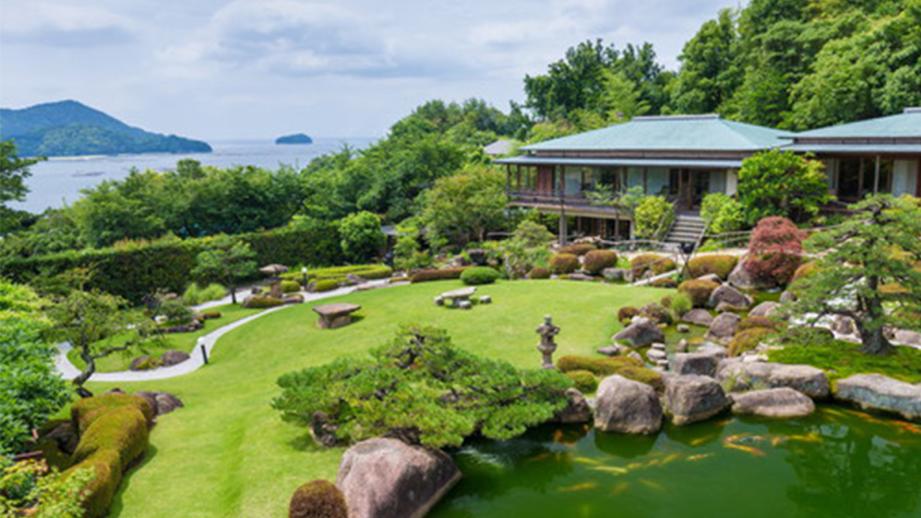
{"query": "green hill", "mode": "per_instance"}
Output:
(70, 128)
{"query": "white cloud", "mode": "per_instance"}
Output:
(56, 24)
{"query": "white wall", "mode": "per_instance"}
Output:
(905, 177)
(732, 182)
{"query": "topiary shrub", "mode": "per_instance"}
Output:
(479, 275)
(437, 275)
(317, 499)
(774, 251)
(698, 290)
(666, 282)
(539, 273)
(288, 286)
(626, 313)
(564, 263)
(210, 315)
(261, 302)
(597, 260)
(578, 249)
(86, 410)
(122, 429)
(625, 366)
(655, 263)
(322, 285)
(653, 214)
(758, 322)
(681, 304)
(748, 340)
(719, 264)
(585, 381)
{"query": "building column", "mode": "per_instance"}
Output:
(876, 176)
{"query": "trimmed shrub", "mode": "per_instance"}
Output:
(666, 301)
(758, 322)
(564, 263)
(681, 304)
(290, 286)
(627, 367)
(804, 270)
(626, 313)
(719, 264)
(774, 251)
(653, 214)
(666, 282)
(195, 294)
(539, 273)
(122, 429)
(698, 290)
(210, 315)
(101, 489)
(324, 285)
(597, 260)
(748, 340)
(86, 410)
(437, 275)
(261, 302)
(585, 381)
(655, 263)
(657, 313)
(578, 249)
(478, 275)
(317, 499)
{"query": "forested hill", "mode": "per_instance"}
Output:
(70, 128)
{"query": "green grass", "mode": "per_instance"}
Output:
(181, 341)
(227, 453)
(842, 359)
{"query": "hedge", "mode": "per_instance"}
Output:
(597, 260)
(317, 499)
(290, 286)
(140, 268)
(585, 381)
(323, 285)
(699, 290)
(437, 275)
(719, 264)
(564, 263)
(478, 275)
(261, 301)
(539, 273)
(625, 366)
(655, 263)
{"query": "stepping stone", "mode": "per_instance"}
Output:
(656, 355)
(485, 299)
(464, 304)
(658, 346)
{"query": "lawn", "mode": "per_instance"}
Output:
(841, 359)
(229, 454)
(181, 341)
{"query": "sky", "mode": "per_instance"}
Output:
(256, 69)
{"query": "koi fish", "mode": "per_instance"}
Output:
(586, 460)
(620, 488)
(612, 469)
(699, 456)
(751, 450)
(584, 486)
(652, 484)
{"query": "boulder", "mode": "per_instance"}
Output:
(723, 307)
(656, 355)
(843, 325)
(729, 295)
(485, 299)
(681, 346)
(577, 409)
(776, 402)
(387, 478)
(740, 278)
(293, 298)
(765, 309)
(635, 355)
(700, 317)
(173, 357)
(580, 277)
(878, 392)
(787, 297)
(904, 336)
(683, 328)
(691, 398)
(723, 327)
(162, 402)
(614, 274)
(144, 362)
(740, 376)
(627, 406)
(704, 361)
(641, 333)
(712, 277)
(613, 350)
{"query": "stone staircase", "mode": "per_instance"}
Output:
(687, 228)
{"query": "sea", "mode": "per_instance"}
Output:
(58, 181)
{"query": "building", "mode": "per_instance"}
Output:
(685, 157)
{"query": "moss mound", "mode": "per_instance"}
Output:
(317, 499)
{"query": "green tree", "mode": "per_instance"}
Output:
(528, 247)
(228, 262)
(462, 208)
(866, 269)
(708, 76)
(361, 236)
(779, 183)
(29, 488)
(652, 217)
(13, 173)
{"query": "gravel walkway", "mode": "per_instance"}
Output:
(68, 370)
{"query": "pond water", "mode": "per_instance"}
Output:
(837, 463)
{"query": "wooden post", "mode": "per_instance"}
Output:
(876, 177)
(204, 352)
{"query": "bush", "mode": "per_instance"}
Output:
(774, 251)
(361, 236)
(437, 275)
(804, 270)
(122, 429)
(261, 302)
(653, 214)
(627, 367)
(721, 213)
(478, 275)
(317, 499)
(564, 263)
(578, 249)
(195, 294)
(626, 313)
(698, 290)
(597, 260)
(681, 304)
(585, 381)
(657, 313)
(324, 285)
(539, 273)
(175, 311)
(748, 340)
(780, 183)
(290, 286)
(758, 322)
(210, 315)
(655, 263)
(719, 264)
(665, 282)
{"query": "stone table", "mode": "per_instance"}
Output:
(335, 315)
(455, 297)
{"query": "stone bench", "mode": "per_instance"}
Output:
(456, 297)
(335, 315)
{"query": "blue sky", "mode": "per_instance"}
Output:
(259, 68)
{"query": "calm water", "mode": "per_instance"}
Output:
(58, 181)
(837, 463)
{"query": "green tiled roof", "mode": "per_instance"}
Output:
(907, 124)
(665, 133)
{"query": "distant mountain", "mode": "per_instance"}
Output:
(297, 138)
(70, 128)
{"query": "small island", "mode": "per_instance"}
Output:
(297, 138)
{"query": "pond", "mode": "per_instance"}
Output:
(836, 463)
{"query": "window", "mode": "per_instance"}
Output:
(849, 178)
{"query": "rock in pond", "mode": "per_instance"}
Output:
(878, 392)
(627, 406)
(704, 361)
(577, 409)
(765, 309)
(700, 317)
(782, 403)
(740, 376)
(641, 333)
(729, 295)
(387, 478)
(723, 327)
(691, 398)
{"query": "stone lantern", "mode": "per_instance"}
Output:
(547, 346)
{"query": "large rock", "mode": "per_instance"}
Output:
(700, 317)
(730, 296)
(723, 327)
(776, 402)
(878, 392)
(690, 398)
(704, 361)
(613, 350)
(741, 376)
(904, 336)
(162, 402)
(627, 406)
(843, 325)
(740, 278)
(173, 357)
(614, 274)
(577, 409)
(387, 478)
(641, 333)
(765, 309)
